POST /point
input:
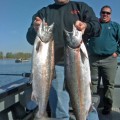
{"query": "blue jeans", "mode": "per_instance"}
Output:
(59, 98)
(93, 115)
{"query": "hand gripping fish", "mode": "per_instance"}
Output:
(42, 67)
(77, 72)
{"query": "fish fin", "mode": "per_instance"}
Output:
(38, 46)
(43, 21)
(77, 33)
(51, 27)
(38, 116)
(83, 49)
(44, 24)
(91, 108)
(34, 97)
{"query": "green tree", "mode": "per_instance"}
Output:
(9, 55)
(1, 55)
(21, 55)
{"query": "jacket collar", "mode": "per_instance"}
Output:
(102, 21)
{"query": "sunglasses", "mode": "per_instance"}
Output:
(104, 12)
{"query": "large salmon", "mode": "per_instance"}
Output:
(42, 67)
(77, 72)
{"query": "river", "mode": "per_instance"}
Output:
(10, 67)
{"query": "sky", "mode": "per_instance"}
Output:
(16, 16)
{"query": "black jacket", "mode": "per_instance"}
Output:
(64, 16)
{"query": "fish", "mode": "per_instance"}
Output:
(42, 67)
(77, 74)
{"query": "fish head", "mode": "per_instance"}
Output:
(74, 38)
(45, 32)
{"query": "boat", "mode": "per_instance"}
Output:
(18, 60)
(15, 96)
(21, 60)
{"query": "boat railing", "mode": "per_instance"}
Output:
(12, 100)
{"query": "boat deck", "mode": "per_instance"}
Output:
(114, 115)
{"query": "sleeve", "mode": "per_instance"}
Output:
(118, 40)
(31, 33)
(93, 25)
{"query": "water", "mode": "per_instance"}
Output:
(10, 67)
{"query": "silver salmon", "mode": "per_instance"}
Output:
(77, 72)
(42, 67)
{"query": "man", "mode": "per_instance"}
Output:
(103, 51)
(63, 13)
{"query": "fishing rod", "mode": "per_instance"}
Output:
(23, 74)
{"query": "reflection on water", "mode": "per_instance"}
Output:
(10, 67)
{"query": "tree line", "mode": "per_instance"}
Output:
(18, 55)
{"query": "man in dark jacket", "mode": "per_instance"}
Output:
(103, 51)
(63, 13)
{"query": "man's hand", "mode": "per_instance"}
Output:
(81, 26)
(37, 23)
(115, 55)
